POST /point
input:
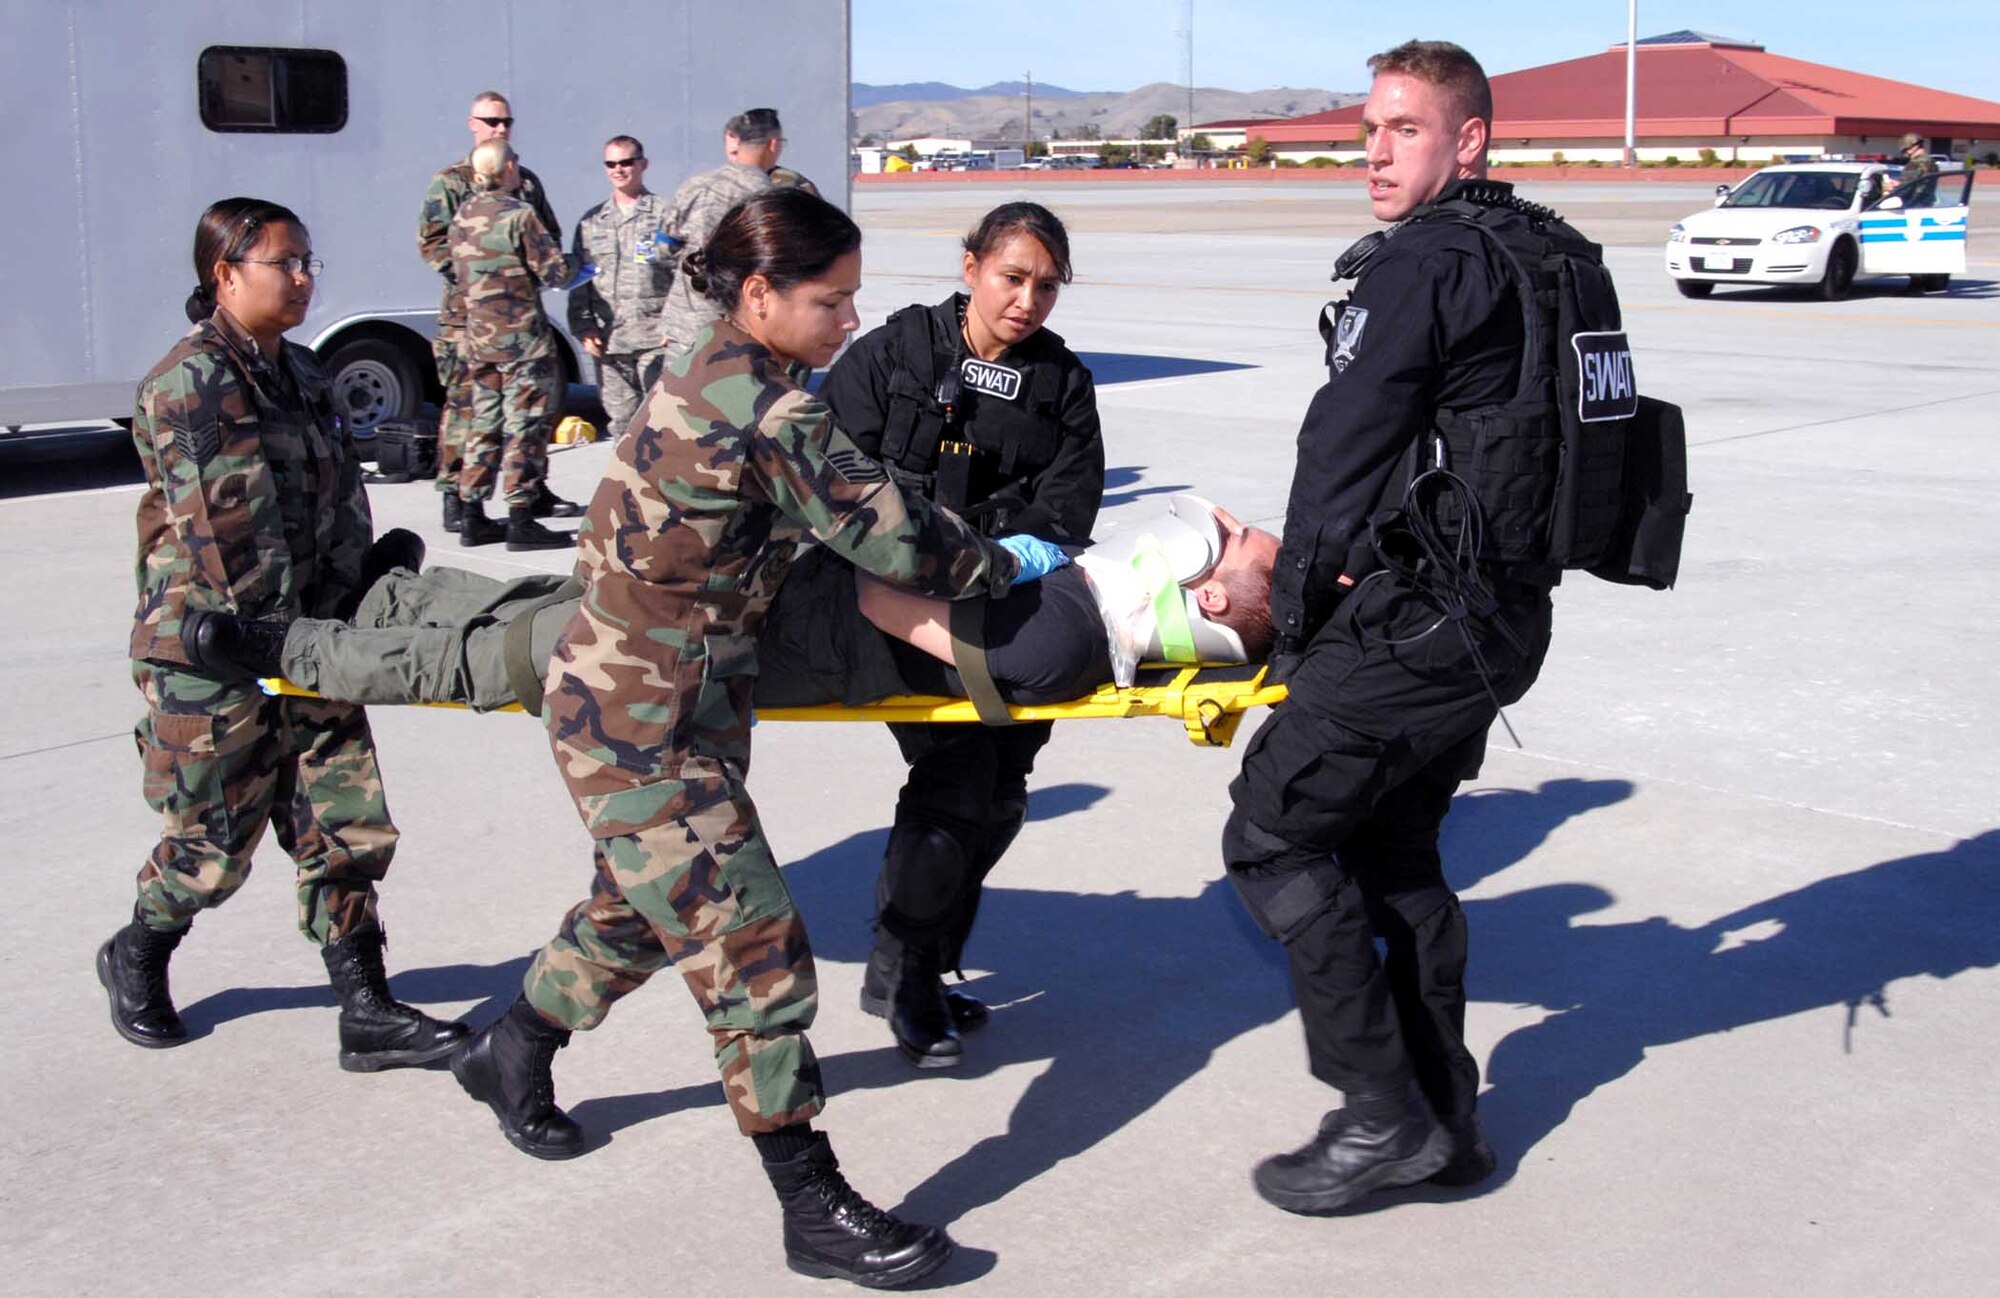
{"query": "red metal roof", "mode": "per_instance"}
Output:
(1697, 90)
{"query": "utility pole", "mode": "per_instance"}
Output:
(1631, 80)
(1028, 118)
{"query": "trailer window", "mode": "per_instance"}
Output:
(242, 88)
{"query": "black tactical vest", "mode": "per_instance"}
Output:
(1553, 468)
(957, 429)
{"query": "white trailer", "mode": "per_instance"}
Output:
(126, 120)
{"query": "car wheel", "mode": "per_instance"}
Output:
(1694, 287)
(1841, 260)
(372, 380)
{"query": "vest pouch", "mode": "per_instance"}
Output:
(1597, 398)
(1644, 547)
(1508, 457)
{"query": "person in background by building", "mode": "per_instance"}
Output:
(502, 257)
(757, 120)
(254, 505)
(972, 403)
(752, 149)
(1917, 159)
(1398, 653)
(490, 118)
(648, 706)
(616, 315)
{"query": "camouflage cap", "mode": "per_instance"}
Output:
(1913, 141)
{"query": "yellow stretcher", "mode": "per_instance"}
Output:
(1209, 702)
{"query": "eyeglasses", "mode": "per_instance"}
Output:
(493, 121)
(290, 265)
(612, 164)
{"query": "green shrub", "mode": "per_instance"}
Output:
(1558, 158)
(1708, 157)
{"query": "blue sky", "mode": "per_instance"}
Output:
(1253, 44)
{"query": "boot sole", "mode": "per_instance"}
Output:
(922, 1060)
(547, 1153)
(377, 1060)
(1418, 1167)
(909, 1273)
(137, 1039)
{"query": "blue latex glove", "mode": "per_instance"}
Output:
(584, 274)
(1038, 558)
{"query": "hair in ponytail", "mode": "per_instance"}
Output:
(786, 235)
(227, 231)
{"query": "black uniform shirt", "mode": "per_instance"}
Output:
(1433, 324)
(1057, 498)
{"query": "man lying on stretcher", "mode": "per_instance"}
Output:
(1184, 583)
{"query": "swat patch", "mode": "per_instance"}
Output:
(1347, 336)
(198, 444)
(852, 465)
(996, 380)
(1605, 388)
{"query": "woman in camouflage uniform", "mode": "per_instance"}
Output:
(254, 506)
(729, 466)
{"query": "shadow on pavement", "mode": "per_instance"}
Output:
(1121, 485)
(1128, 367)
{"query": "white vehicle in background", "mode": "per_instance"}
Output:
(1822, 224)
(133, 118)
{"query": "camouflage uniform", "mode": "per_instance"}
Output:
(448, 189)
(622, 303)
(698, 207)
(502, 256)
(253, 505)
(648, 700)
(786, 178)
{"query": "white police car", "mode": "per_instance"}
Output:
(1823, 223)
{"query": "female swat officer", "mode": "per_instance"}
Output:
(973, 404)
(253, 505)
(729, 465)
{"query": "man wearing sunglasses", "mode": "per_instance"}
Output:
(490, 118)
(616, 315)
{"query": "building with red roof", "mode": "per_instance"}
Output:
(1695, 92)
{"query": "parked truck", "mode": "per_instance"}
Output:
(128, 120)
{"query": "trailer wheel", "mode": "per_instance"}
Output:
(373, 380)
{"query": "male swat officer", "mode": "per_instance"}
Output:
(502, 257)
(751, 141)
(491, 118)
(1411, 600)
(616, 316)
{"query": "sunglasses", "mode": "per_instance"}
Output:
(493, 121)
(633, 161)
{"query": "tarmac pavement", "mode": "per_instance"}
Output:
(1735, 899)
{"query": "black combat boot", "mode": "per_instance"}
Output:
(919, 1016)
(832, 1232)
(524, 533)
(549, 505)
(397, 548)
(1381, 1139)
(475, 528)
(225, 647)
(878, 986)
(133, 968)
(1472, 1158)
(378, 1031)
(506, 1067)
(454, 511)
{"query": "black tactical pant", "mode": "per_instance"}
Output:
(1333, 842)
(971, 783)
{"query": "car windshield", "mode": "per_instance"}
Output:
(1826, 191)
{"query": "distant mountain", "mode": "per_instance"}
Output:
(867, 96)
(995, 111)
